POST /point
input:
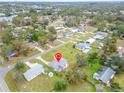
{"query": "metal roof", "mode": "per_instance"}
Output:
(33, 72)
(105, 75)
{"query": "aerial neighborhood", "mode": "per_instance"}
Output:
(61, 47)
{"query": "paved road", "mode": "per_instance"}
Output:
(4, 70)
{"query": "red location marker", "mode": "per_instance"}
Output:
(58, 56)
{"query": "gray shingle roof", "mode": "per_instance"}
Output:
(59, 66)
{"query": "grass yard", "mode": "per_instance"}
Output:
(90, 29)
(95, 44)
(85, 37)
(120, 42)
(55, 43)
(41, 83)
(45, 47)
(120, 80)
(65, 39)
(82, 87)
(67, 51)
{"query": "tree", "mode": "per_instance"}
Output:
(42, 40)
(110, 46)
(73, 76)
(116, 63)
(115, 87)
(7, 37)
(20, 47)
(93, 57)
(52, 30)
(80, 60)
(19, 66)
(60, 85)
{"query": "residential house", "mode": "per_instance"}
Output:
(105, 75)
(120, 51)
(59, 66)
(78, 29)
(33, 72)
(90, 41)
(84, 46)
(11, 54)
(67, 34)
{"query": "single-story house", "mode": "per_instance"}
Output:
(101, 35)
(84, 46)
(105, 75)
(90, 41)
(98, 37)
(33, 72)
(59, 66)
(67, 34)
(59, 36)
(78, 29)
(11, 54)
(120, 51)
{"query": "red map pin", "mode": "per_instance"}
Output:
(58, 56)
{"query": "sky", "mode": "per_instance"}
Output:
(57, 0)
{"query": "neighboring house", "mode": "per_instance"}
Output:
(78, 29)
(90, 41)
(11, 54)
(98, 37)
(84, 46)
(67, 34)
(33, 72)
(120, 51)
(101, 35)
(59, 66)
(59, 36)
(105, 75)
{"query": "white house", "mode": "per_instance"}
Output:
(33, 72)
(105, 75)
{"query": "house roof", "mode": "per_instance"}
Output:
(121, 49)
(91, 40)
(98, 36)
(33, 72)
(59, 66)
(105, 75)
(11, 53)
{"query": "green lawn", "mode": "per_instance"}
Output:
(95, 44)
(120, 42)
(120, 79)
(65, 39)
(55, 43)
(82, 87)
(67, 51)
(90, 29)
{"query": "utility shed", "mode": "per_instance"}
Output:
(105, 75)
(33, 72)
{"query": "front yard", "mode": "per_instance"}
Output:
(67, 51)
